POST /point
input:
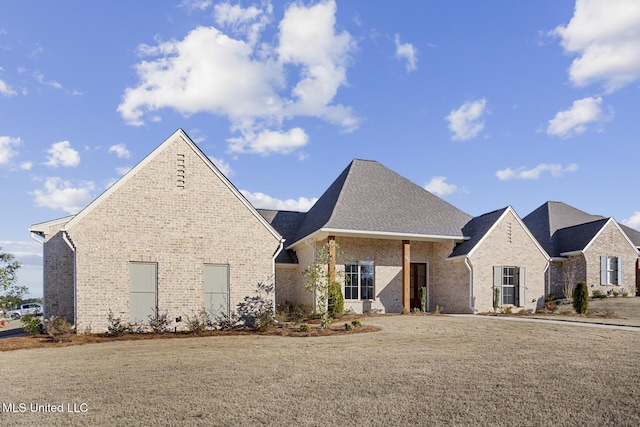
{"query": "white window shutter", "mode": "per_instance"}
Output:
(603, 270)
(522, 273)
(620, 278)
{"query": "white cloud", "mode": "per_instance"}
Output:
(7, 148)
(40, 78)
(120, 150)
(62, 195)
(556, 170)
(605, 35)
(249, 22)
(438, 186)
(6, 90)
(192, 5)
(633, 221)
(574, 121)
(224, 167)
(26, 166)
(263, 201)
(61, 154)
(407, 52)
(256, 86)
(465, 122)
(267, 142)
(123, 170)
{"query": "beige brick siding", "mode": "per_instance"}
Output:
(611, 242)
(150, 218)
(508, 245)
(443, 276)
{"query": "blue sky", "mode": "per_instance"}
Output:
(486, 104)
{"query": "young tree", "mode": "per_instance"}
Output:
(581, 298)
(319, 282)
(11, 292)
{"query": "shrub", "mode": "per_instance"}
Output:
(336, 300)
(58, 329)
(224, 321)
(159, 322)
(356, 323)
(438, 309)
(305, 327)
(116, 326)
(551, 306)
(581, 298)
(625, 294)
(199, 322)
(508, 310)
(423, 298)
(404, 311)
(257, 311)
(598, 294)
(348, 326)
(32, 324)
(615, 294)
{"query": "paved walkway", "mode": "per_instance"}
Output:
(551, 321)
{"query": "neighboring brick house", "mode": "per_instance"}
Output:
(173, 233)
(395, 237)
(585, 248)
(506, 264)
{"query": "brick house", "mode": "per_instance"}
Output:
(395, 238)
(583, 247)
(173, 233)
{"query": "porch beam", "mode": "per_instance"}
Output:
(406, 274)
(331, 241)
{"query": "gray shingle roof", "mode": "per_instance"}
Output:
(367, 196)
(632, 233)
(577, 237)
(476, 230)
(562, 228)
(286, 223)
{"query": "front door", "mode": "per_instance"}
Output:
(418, 280)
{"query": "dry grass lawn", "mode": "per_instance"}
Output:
(427, 370)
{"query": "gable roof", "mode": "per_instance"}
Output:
(122, 181)
(562, 229)
(477, 229)
(371, 200)
(481, 226)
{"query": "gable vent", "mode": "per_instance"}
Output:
(509, 232)
(180, 171)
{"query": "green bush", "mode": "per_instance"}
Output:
(336, 300)
(349, 326)
(581, 298)
(32, 324)
(597, 293)
(159, 322)
(356, 323)
(305, 327)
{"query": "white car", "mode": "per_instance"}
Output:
(29, 308)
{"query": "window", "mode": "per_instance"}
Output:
(509, 285)
(359, 280)
(610, 270)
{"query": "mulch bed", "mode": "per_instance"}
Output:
(285, 330)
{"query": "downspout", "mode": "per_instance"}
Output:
(65, 237)
(34, 236)
(273, 271)
(547, 270)
(472, 304)
(313, 249)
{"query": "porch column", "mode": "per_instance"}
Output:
(406, 274)
(331, 241)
